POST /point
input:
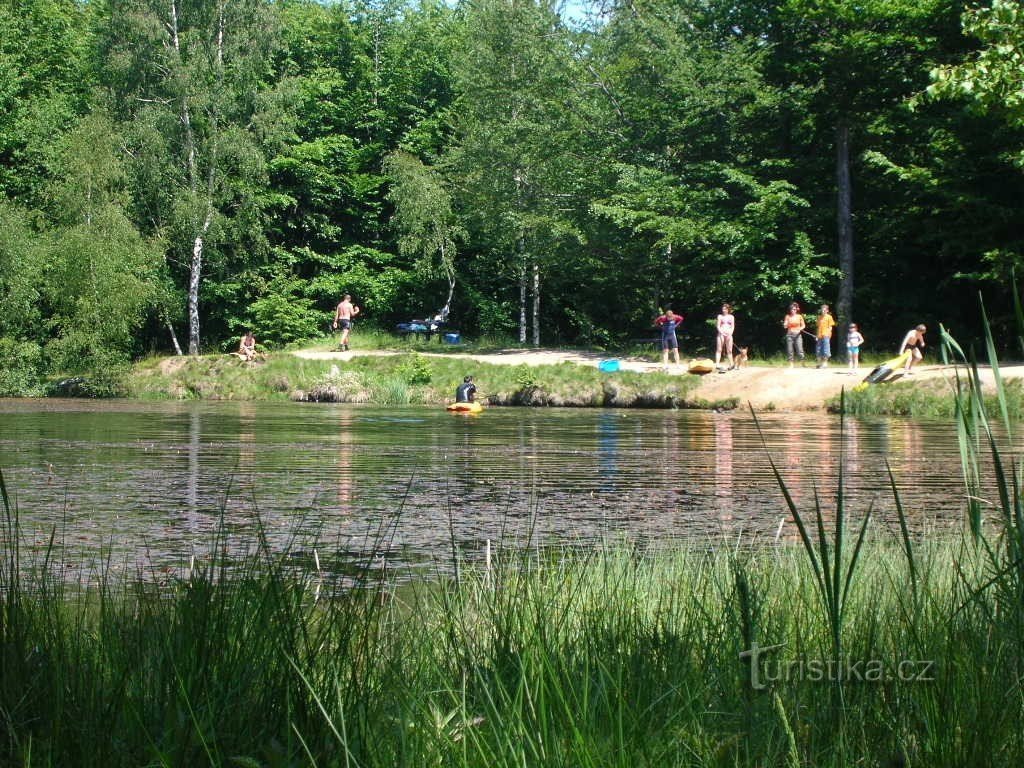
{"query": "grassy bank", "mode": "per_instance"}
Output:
(923, 399)
(402, 379)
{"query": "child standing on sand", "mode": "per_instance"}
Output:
(667, 324)
(823, 349)
(854, 340)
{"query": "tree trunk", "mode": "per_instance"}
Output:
(194, 275)
(536, 304)
(174, 336)
(844, 226)
(522, 292)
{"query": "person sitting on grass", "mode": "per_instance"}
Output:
(465, 391)
(247, 348)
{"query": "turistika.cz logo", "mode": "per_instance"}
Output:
(766, 671)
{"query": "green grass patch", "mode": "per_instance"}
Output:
(601, 658)
(409, 378)
(932, 398)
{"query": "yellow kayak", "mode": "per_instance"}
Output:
(700, 365)
(473, 407)
(886, 369)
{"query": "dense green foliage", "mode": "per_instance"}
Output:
(187, 168)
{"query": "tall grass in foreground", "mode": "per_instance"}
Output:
(610, 657)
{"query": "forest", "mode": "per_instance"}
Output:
(174, 171)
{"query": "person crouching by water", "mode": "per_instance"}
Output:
(913, 341)
(465, 391)
(247, 348)
(668, 323)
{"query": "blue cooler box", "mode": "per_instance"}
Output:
(452, 338)
(608, 366)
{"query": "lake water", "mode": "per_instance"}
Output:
(150, 483)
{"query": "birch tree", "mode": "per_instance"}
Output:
(190, 76)
(426, 224)
(512, 74)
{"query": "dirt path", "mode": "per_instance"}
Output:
(785, 389)
(504, 357)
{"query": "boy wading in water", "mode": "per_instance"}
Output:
(344, 316)
(668, 323)
(465, 392)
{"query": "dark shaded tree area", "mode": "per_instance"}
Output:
(181, 169)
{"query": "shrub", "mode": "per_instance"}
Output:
(415, 370)
(21, 368)
(281, 318)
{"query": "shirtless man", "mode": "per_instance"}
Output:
(914, 342)
(344, 315)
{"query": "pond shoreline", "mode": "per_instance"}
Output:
(542, 378)
(546, 378)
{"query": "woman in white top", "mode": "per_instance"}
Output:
(726, 324)
(854, 341)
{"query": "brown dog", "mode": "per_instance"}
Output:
(740, 359)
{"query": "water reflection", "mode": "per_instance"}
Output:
(723, 467)
(163, 476)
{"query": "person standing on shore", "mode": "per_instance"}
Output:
(823, 348)
(854, 341)
(344, 316)
(668, 323)
(794, 325)
(726, 324)
(913, 341)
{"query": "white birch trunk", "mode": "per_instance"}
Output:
(522, 291)
(174, 336)
(536, 304)
(194, 277)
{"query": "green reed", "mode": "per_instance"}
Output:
(610, 656)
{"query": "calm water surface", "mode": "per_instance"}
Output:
(150, 482)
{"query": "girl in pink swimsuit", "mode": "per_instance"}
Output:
(726, 324)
